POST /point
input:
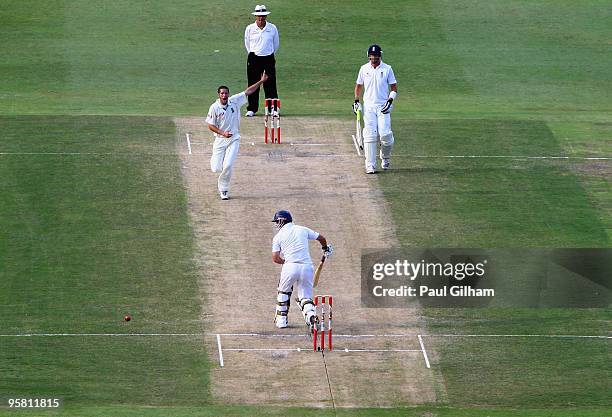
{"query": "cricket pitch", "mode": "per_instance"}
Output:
(316, 175)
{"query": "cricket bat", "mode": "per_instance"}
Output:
(317, 273)
(359, 130)
(358, 137)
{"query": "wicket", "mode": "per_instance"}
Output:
(272, 109)
(321, 302)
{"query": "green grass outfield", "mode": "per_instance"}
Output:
(93, 211)
(235, 411)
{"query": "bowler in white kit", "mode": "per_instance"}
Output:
(290, 249)
(223, 120)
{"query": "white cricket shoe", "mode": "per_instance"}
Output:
(386, 164)
(250, 113)
(281, 322)
(224, 195)
(370, 170)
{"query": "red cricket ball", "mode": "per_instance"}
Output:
(127, 318)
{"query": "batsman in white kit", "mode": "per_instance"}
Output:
(223, 120)
(290, 249)
(377, 82)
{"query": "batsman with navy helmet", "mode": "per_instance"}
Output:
(377, 82)
(290, 249)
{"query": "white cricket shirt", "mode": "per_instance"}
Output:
(292, 242)
(262, 42)
(227, 117)
(375, 82)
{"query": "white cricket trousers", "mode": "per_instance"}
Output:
(375, 124)
(224, 153)
(298, 276)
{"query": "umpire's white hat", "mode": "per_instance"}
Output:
(260, 10)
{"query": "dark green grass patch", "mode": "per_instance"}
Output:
(486, 202)
(157, 57)
(167, 58)
(533, 372)
(584, 139)
(590, 140)
(94, 222)
(533, 57)
(129, 57)
(154, 371)
(501, 202)
(561, 321)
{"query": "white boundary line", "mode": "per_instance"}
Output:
(424, 352)
(552, 336)
(220, 350)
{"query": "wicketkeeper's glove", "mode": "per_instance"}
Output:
(356, 106)
(327, 250)
(386, 109)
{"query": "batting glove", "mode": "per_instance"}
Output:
(327, 250)
(386, 109)
(356, 106)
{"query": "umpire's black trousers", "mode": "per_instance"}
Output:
(255, 67)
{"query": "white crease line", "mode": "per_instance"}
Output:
(550, 336)
(220, 350)
(262, 335)
(310, 350)
(424, 352)
(265, 349)
(304, 335)
(332, 155)
(188, 142)
(103, 334)
(603, 158)
(272, 146)
(312, 144)
(515, 158)
(379, 350)
(423, 335)
(67, 153)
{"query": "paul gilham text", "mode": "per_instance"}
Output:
(456, 291)
(424, 291)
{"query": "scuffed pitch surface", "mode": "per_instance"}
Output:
(320, 180)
